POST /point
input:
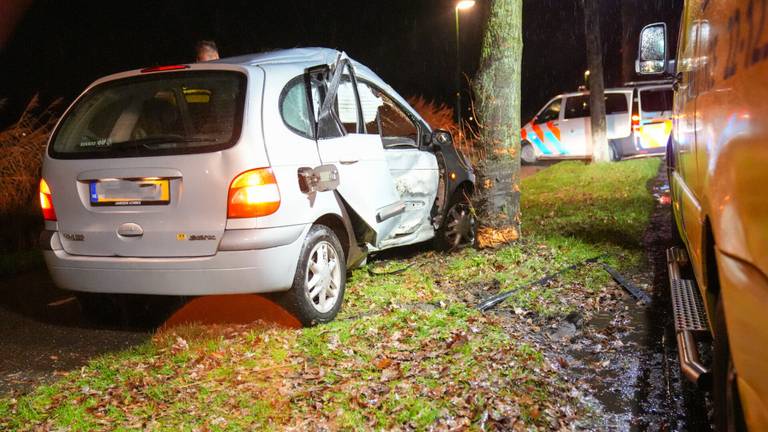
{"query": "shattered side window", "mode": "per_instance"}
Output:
(371, 102)
(294, 109)
(397, 129)
(346, 105)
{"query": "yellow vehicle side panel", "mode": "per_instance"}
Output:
(745, 294)
(721, 135)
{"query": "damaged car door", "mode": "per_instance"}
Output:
(365, 182)
(413, 168)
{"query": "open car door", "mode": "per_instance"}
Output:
(365, 182)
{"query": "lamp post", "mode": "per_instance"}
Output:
(461, 5)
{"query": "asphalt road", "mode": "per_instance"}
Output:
(42, 332)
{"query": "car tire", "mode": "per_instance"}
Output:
(614, 152)
(527, 154)
(459, 227)
(728, 415)
(320, 280)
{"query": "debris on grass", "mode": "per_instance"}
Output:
(408, 351)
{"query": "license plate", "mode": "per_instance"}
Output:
(130, 192)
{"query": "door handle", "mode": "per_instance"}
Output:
(348, 162)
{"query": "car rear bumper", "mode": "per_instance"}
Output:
(262, 270)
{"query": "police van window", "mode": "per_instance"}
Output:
(346, 105)
(293, 107)
(616, 103)
(656, 101)
(551, 112)
(577, 107)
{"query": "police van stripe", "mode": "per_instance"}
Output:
(533, 138)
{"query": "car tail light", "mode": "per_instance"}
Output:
(253, 193)
(635, 122)
(46, 202)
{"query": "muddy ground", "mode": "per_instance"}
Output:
(622, 361)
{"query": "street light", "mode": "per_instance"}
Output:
(461, 5)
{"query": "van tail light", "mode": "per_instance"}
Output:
(253, 193)
(46, 202)
(635, 122)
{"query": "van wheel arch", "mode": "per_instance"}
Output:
(727, 403)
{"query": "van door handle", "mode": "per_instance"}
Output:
(348, 162)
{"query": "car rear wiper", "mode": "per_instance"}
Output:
(154, 141)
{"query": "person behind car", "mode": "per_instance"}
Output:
(206, 51)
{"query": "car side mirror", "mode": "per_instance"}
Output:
(441, 138)
(652, 50)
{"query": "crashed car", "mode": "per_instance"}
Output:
(268, 173)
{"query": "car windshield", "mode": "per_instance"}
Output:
(158, 114)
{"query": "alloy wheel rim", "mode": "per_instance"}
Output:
(323, 277)
(460, 228)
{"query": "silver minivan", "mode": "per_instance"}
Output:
(267, 173)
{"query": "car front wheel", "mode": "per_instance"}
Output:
(459, 226)
(318, 285)
(527, 154)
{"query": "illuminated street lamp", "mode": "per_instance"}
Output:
(461, 5)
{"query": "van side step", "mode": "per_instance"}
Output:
(690, 320)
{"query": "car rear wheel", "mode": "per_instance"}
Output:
(459, 226)
(727, 405)
(527, 154)
(319, 283)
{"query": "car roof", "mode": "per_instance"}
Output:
(286, 61)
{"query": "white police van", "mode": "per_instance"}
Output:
(638, 122)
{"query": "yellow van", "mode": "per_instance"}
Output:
(718, 166)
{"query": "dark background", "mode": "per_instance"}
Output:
(59, 47)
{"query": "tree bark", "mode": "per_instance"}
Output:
(497, 91)
(596, 80)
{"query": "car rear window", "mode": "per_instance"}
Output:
(152, 115)
(578, 106)
(656, 100)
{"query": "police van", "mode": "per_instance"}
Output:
(638, 122)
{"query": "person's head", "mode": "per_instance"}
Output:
(206, 51)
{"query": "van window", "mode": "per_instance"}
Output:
(153, 115)
(656, 101)
(578, 106)
(551, 112)
(293, 107)
(616, 103)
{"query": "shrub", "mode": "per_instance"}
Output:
(21, 147)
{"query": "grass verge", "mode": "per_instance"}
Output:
(408, 351)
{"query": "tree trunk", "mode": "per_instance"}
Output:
(596, 80)
(497, 92)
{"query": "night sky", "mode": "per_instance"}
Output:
(59, 47)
